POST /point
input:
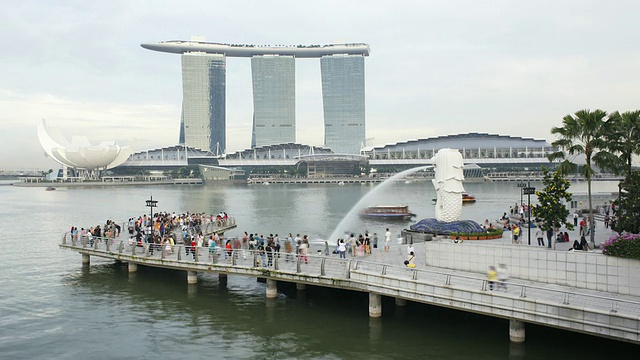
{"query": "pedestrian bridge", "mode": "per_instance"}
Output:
(523, 302)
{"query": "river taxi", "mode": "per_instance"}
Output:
(467, 199)
(387, 212)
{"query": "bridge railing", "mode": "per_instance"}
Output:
(574, 299)
(342, 269)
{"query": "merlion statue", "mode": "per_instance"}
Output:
(448, 179)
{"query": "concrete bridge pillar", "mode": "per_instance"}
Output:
(301, 286)
(272, 289)
(516, 331)
(133, 267)
(192, 277)
(86, 259)
(401, 302)
(375, 305)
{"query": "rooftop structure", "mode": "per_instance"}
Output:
(243, 50)
(478, 148)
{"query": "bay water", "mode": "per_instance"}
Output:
(51, 307)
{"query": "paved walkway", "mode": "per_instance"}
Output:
(397, 254)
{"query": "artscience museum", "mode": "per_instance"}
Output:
(79, 154)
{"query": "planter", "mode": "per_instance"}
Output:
(482, 237)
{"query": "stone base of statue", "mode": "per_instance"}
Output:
(433, 226)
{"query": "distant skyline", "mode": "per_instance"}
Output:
(435, 68)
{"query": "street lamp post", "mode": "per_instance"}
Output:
(528, 191)
(152, 203)
(521, 185)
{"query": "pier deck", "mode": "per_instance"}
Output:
(588, 311)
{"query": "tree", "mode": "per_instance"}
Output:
(623, 139)
(184, 172)
(551, 209)
(628, 212)
(582, 134)
(196, 172)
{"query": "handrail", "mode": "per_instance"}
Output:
(320, 265)
(448, 277)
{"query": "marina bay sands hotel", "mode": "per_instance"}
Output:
(273, 75)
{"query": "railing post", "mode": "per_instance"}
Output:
(566, 299)
(414, 276)
(180, 252)
(95, 244)
(162, 251)
(108, 245)
(448, 280)
(121, 247)
(133, 248)
(298, 267)
(64, 239)
(384, 270)
(255, 258)
(349, 269)
(147, 249)
(484, 285)
(614, 307)
(523, 292)
(195, 254)
(322, 272)
(275, 261)
(234, 257)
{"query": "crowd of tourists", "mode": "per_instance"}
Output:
(165, 231)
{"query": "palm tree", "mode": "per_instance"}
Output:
(623, 139)
(582, 134)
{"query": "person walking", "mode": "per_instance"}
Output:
(575, 218)
(387, 239)
(516, 234)
(492, 276)
(410, 248)
(342, 249)
(304, 249)
(503, 276)
(411, 260)
(540, 237)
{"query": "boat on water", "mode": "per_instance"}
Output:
(468, 199)
(50, 188)
(387, 212)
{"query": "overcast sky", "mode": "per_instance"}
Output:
(436, 67)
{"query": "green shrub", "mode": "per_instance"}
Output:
(625, 246)
(494, 232)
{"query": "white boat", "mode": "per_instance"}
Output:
(387, 212)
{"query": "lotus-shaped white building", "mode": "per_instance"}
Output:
(80, 154)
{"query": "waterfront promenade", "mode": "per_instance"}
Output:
(574, 308)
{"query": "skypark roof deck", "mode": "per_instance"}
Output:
(241, 50)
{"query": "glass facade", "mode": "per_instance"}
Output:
(343, 102)
(274, 100)
(203, 105)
